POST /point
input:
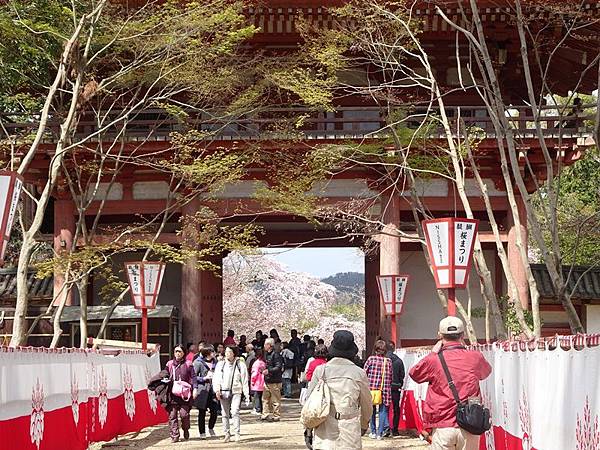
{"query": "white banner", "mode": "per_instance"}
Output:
(541, 397)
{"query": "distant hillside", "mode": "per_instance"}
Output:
(346, 281)
(350, 287)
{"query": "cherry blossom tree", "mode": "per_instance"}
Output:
(260, 293)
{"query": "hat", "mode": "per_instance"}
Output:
(342, 345)
(451, 325)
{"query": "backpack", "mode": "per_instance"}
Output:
(316, 409)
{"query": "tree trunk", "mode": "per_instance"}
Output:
(19, 331)
(83, 302)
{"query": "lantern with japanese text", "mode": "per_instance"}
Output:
(392, 292)
(450, 246)
(11, 184)
(145, 279)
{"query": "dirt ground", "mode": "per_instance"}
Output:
(284, 435)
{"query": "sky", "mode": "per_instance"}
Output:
(319, 262)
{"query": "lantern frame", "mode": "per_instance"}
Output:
(9, 206)
(451, 265)
(394, 301)
(143, 295)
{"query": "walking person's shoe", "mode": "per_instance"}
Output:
(237, 438)
(395, 433)
(227, 437)
(175, 439)
(186, 434)
(265, 418)
(372, 435)
(202, 435)
(211, 432)
(379, 437)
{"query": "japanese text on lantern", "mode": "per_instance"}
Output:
(401, 283)
(438, 235)
(464, 233)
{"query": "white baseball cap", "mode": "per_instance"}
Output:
(451, 325)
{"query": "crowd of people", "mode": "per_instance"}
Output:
(216, 378)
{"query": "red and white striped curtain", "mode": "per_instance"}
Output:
(542, 395)
(68, 398)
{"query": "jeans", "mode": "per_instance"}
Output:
(230, 412)
(382, 419)
(202, 420)
(258, 407)
(287, 387)
(396, 396)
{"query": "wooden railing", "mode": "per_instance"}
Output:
(286, 123)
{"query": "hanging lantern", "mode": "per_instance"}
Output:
(145, 279)
(392, 292)
(11, 184)
(450, 245)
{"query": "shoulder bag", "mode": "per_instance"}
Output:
(317, 405)
(377, 394)
(471, 415)
(181, 389)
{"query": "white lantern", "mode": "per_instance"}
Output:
(11, 184)
(450, 246)
(145, 279)
(392, 291)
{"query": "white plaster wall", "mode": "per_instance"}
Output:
(593, 318)
(422, 309)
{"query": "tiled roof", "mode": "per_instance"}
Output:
(38, 288)
(72, 313)
(588, 287)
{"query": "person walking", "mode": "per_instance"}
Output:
(179, 407)
(192, 352)
(351, 404)
(242, 345)
(379, 373)
(467, 368)
(230, 339)
(273, 380)
(229, 383)
(257, 380)
(288, 369)
(397, 383)
(319, 359)
(204, 397)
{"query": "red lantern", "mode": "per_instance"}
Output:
(11, 184)
(450, 246)
(145, 279)
(392, 292)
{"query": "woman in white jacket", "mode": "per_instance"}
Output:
(230, 381)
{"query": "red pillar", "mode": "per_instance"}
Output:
(389, 255)
(372, 302)
(201, 298)
(64, 230)
(515, 262)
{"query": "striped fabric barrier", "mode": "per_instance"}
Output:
(543, 394)
(68, 398)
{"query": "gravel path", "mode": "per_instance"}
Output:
(284, 435)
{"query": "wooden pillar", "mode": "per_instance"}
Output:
(201, 298)
(389, 254)
(515, 262)
(372, 302)
(64, 230)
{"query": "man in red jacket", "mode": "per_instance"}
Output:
(467, 368)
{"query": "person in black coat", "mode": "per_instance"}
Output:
(273, 378)
(397, 383)
(204, 397)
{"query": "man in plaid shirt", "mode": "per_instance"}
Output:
(379, 368)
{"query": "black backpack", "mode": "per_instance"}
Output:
(471, 417)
